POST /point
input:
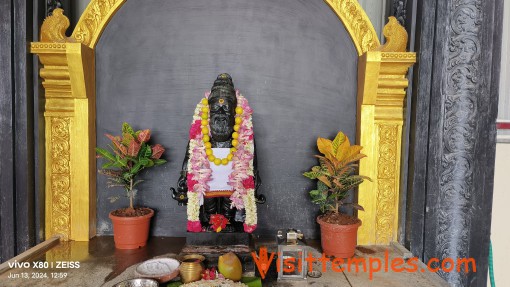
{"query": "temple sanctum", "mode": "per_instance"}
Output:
(254, 143)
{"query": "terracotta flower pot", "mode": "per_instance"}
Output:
(338, 240)
(131, 232)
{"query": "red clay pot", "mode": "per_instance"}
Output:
(131, 232)
(338, 240)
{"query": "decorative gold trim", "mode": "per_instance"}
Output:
(94, 20)
(59, 214)
(357, 23)
(387, 177)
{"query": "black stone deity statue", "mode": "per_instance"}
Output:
(222, 104)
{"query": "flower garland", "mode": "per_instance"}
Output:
(241, 179)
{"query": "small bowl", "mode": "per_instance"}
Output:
(160, 269)
(314, 274)
(138, 282)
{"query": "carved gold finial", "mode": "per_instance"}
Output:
(54, 27)
(396, 37)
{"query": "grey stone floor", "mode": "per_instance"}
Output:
(100, 264)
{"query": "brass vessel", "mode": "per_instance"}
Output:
(191, 268)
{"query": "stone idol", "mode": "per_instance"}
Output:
(219, 178)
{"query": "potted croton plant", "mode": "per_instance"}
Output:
(129, 155)
(336, 176)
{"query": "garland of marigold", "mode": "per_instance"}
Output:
(241, 179)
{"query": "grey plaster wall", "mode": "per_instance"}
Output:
(293, 60)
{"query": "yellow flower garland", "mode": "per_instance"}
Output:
(206, 138)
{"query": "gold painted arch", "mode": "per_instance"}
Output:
(94, 20)
(68, 74)
(98, 13)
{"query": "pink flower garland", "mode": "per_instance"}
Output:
(241, 179)
(242, 163)
(194, 226)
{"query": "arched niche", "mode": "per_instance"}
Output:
(307, 76)
(293, 60)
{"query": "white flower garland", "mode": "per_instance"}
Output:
(250, 208)
(193, 206)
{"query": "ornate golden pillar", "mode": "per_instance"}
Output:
(69, 82)
(381, 95)
(69, 111)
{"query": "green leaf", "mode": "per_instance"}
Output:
(107, 165)
(150, 163)
(127, 129)
(123, 162)
(120, 162)
(351, 182)
(325, 180)
(344, 172)
(146, 151)
(321, 186)
(318, 200)
(144, 161)
(312, 174)
(159, 161)
(127, 176)
(339, 139)
(321, 198)
(116, 165)
(106, 154)
(136, 168)
(127, 138)
(315, 193)
(326, 164)
(318, 168)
